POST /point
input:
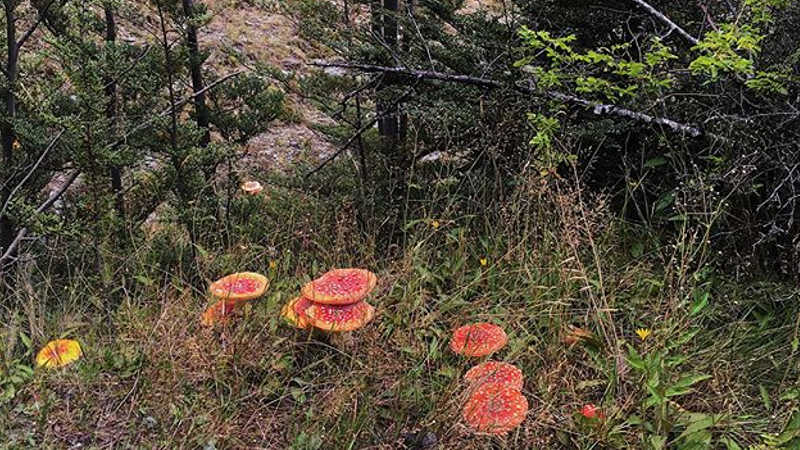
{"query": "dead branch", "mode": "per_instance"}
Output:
(666, 20)
(597, 108)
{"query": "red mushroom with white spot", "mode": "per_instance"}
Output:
(495, 372)
(478, 339)
(495, 408)
(340, 286)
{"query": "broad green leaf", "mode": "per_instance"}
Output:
(634, 359)
(682, 386)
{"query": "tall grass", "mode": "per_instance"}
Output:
(537, 259)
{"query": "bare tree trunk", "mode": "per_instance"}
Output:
(7, 226)
(177, 163)
(388, 123)
(196, 68)
(111, 114)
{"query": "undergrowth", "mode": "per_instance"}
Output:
(544, 260)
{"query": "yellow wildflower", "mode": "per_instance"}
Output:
(273, 264)
(435, 224)
(484, 261)
(643, 333)
(16, 145)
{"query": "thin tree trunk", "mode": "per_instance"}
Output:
(111, 113)
(7, 226)
(388, 124)
(177, 163)
(196, 68)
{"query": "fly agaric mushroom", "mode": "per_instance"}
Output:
(478, 339)
(219, 312)
(339, 317)
(252, 187)
(340, 286)
(295, 312)
(240, 286)
(58, 353)
(495, 408)
(495, 372)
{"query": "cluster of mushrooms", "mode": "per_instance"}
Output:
(333, 302)
(495, 404)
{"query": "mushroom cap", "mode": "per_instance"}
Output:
(478, 339)
(252, 187)
(340, 286)
(495, 372)
(219, 312)
(240, 286)
(495, 408)
(58, 353)
(339, 317)
(590, 411)
(295, 312)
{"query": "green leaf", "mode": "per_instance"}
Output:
(697, 422)
(25, 340)
(730, 444)
(657, 442)
(682, 386)
(655, 162)
(699, 303)
(789, 395)
(634, 359)
(765, 396)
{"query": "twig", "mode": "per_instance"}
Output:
(666, 20)
(52, 199)
(35, 25)
(597, 108)
(30, 173)
(357, 135)
(167, 111)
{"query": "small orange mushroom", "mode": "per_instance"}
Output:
(495, 408)
(478, 339)
(252, 187)
(58, 353)
(495, 372)
(340, 286)
(219, 312)
(240, 286)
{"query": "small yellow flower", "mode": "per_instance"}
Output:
(643, 333)
(484, 261)
(273, 264)
(16, 145)
(435, 224)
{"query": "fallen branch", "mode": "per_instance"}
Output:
(666, 20)
(597, 108)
